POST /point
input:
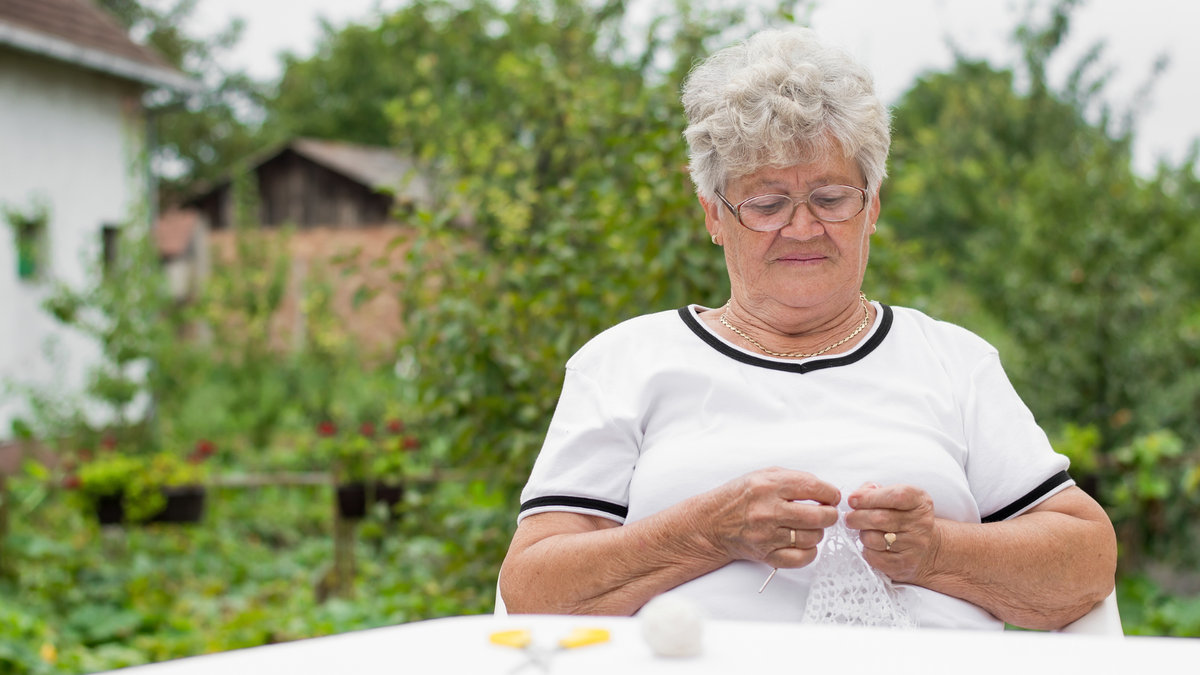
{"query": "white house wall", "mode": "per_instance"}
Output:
(73, 137)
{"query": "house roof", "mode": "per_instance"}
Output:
(78, 32)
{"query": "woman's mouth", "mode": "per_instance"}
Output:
(802, 258)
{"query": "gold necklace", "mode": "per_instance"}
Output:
(862, 300)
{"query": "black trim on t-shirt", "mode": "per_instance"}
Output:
(1030, 497)
(576, 502)
(885, 324)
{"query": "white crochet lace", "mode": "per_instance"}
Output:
(849, 592)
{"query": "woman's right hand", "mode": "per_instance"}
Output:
(752, 517)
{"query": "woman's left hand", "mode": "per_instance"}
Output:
(906, 512)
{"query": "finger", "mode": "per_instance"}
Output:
(877, 541)
(803, 538)
(786, 537)
(884, 520)
(890, 565)
(864, 488)
(800, 485)
(898, 497)
(791, 558)
(806, 516)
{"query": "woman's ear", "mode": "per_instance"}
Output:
(712, 219)
(873, 213)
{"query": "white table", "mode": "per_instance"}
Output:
(460, 645)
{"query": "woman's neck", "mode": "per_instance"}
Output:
(834, 327)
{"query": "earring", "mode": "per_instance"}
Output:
(714, 238)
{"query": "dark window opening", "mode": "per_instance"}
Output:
(110, 237)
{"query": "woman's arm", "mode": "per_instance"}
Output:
(1042, 569)
(566, 563)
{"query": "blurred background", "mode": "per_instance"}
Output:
(287, 288)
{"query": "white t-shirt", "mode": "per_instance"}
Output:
(661, 408)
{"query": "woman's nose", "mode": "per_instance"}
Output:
(803, 225)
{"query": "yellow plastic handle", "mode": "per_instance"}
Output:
(519, 639)
(582, 637)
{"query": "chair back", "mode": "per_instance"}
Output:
(1103, 619)
(500, 610)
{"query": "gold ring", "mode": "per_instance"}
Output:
(793, 538)
(890, 538)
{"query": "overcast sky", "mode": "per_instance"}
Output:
(896, 39)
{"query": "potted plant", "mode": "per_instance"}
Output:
(368, 467)
(160, 488)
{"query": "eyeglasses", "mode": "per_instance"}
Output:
(828, 203)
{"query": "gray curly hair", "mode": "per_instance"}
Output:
(781, 98)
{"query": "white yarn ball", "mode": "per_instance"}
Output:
(672, 626)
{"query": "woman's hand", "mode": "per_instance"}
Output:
(902, 510)
(1042, 569)
(753, 517)
(570, 563)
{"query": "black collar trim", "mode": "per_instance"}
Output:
(885, 324)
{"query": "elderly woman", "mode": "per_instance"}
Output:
(693, 451)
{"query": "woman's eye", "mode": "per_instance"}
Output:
(767, 207)
(828, 202)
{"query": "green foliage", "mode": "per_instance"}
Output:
(246, 576)
(1080, 445)
(1152, 497)
(1147, 609)
(367, 454)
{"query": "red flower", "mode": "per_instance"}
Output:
(85, 455)
(109, 442)
(411, 443)
(205, 448)
(395, 426)
(72, 482)
(326, 428)
(367, 429)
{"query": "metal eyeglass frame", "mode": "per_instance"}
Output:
(737, 210)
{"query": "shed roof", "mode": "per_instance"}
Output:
(78, 32)
(378, 168)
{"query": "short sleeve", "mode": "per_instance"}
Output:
(1011, 466)
(587, 461)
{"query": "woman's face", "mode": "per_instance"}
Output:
(806, 263)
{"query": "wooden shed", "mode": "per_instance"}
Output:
(317, 183)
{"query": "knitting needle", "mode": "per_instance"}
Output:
(768, 579)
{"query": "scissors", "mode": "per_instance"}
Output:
(540, 656)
